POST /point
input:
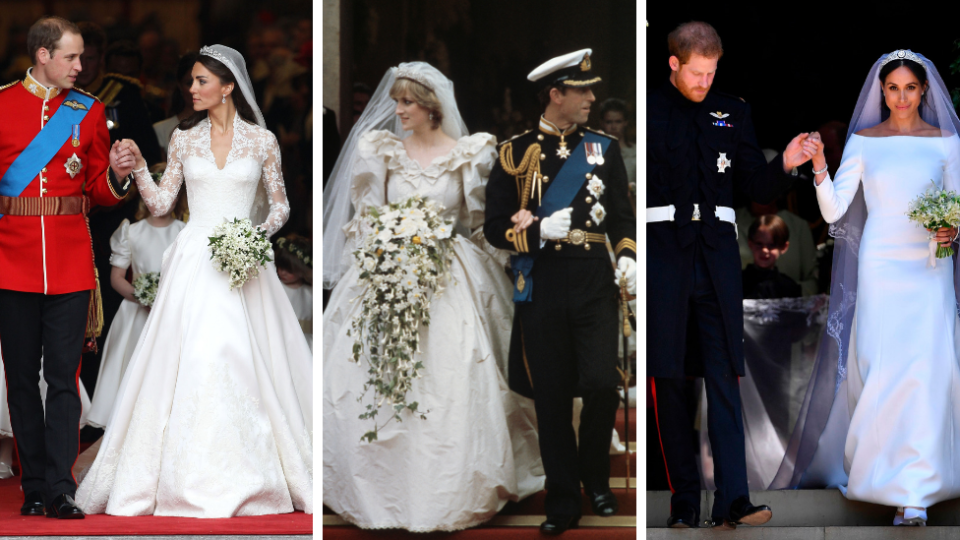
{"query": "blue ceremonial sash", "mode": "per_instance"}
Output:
(45, 145)
(566, 184)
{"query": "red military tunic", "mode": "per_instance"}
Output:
(51, 254)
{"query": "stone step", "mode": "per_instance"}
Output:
(810, 508)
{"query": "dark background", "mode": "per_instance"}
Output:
(802, 64)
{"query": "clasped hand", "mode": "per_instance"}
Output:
(125, 156)
(801, 149)
(945, 235)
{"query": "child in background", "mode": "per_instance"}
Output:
(139, 245)
(768, 238)
(294, 260)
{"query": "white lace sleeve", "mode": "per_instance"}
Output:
(272, 178)
(160, 198)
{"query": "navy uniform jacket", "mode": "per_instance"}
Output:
(684, 142)
(503, 201)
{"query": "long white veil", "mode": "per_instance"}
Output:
(828, 384)
(379, 115)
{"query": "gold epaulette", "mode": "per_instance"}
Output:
(8, 85)
(109, 92)
(82, 91)
(514, 137)
(600, 132)
(130, 80)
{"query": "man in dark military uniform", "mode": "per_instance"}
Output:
(554, 197)
(55, 162)
(701, 145)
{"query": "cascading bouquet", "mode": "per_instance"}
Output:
(402, 261)
(240, 249)
(935, 209)
(145, 288)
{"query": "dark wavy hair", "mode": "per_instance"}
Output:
(184, 66)
(223, 73)
(917, 69)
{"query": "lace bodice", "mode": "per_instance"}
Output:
(457, 180)
(216, 194)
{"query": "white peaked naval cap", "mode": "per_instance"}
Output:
(573, 69)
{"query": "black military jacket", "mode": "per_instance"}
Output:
(127, 115)
(698, 153)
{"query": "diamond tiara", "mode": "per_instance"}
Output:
(207, 51)
(414, 76)
(902, 54)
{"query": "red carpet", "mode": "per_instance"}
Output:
(13, 524)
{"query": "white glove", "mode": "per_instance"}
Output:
(626, 267)
(557, 225)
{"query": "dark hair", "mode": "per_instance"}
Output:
(773, 223)
(362, 88)
(93, 35)
(544, 94)
(125, 49)
(694, 37)
(184, 66)
(46, 34)
(285, 251)
(915, 68)
(615, 105)
(226, 77)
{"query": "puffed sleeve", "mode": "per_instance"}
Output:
(479, 153)
(835, 194)
(374, 149)
(120, 246)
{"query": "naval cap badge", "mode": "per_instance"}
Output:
(73, 165)
(723, 162)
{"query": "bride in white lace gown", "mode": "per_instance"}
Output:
(477, 447)
(213, 417)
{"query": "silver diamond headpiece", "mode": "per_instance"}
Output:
(414, 76)
(207, 51)
(902, 54)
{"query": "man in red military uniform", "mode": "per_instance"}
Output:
(55, 162)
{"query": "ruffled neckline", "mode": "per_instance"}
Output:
(463, 151)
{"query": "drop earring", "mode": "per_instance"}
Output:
(224, 100)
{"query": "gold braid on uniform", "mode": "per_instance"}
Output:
(529, 167)
(95, 307)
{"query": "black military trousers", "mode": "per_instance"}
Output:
(570, 332)
(725, 417)
(51, 327)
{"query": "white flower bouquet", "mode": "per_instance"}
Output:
(145, 288)
(402, 261)
(240, 249)
(935, 209)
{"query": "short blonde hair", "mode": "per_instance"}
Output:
(424, 97)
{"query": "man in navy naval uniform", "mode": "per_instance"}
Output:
(700, 147)
(555, 195)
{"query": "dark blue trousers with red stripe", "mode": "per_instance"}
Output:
(725, 417)
(35, 327)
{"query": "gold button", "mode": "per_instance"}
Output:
(46, 107)
(543, 157)
(546, 178)
(586, 247)
(43, 180)
(43, 190)
(589, 200)
(557, 247)
(581, 134)
(43, 169)
(45, 117)
(589, 223)
(589, 176)
(539, 137)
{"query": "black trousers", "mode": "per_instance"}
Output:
(570, 332)
(725, 416)
(51, 327)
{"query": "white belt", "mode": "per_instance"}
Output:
(666, 213)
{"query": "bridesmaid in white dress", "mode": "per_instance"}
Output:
(214, 414)
(293, 257)
(477, 447)
(140, 245)
(903, 377)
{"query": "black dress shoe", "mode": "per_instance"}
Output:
(683, 516)
(744, 513)
(32, 504)
(559, 524)
(604, 504)
(64, 507)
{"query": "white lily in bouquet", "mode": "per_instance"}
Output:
(145, 288)
(402, 261)
(239, 249)
(935, 209)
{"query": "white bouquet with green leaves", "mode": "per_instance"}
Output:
(402, 261)
(145, 288)
(935, 209)
(239, 249)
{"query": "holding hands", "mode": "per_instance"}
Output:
(800, 150)
(125, 156)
